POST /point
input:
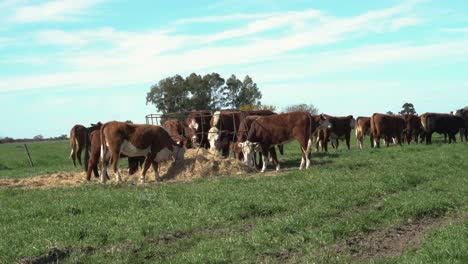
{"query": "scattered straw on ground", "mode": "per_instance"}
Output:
(196, 164)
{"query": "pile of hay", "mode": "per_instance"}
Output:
(197, 163)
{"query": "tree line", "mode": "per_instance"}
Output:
(208, 92)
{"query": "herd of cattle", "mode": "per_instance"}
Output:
(247, 133)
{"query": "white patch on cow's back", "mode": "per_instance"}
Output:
(163, 155)
(216, 116)
(130, 150)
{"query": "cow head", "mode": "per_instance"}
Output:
(192, 132)
(325, 123)
(248, 150)
(213, 138)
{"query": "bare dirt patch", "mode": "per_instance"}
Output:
(54, 255)
(389, 242)
(196, 164)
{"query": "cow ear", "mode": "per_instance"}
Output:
(322, 117)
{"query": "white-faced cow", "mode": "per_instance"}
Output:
(362, 129)
(272, 130)
(224, 126)
(442, 124)
(388, 127)
(197, 125)
(152, 142)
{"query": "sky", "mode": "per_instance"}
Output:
(67, 62)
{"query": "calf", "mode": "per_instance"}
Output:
(152, 142)
(362, 129)
(341, 128)
(442, 124)
(244, 127)
(279, 129)
(386, 126)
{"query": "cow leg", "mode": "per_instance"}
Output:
(105, 163)
(318, 144)
(115, 165)
(336, 143)
(146, 164)
(264, 159)
(157, 177)
(274, 158)
(78, 154)
(377, 141)
(89, 169)
(348, 139)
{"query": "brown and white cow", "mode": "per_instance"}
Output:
(224, 125)
(362, 129)
(387, 127)
(91, 165)
(442, 124)
(463, 113)
(177, 131)
(242, 132)
(341, 128)
(198, 125)
(413, 127)
(77, 142)
(152, 142)
(280, 129)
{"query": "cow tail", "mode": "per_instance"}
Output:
(309, 134)
(103, 144)
(73, 145)
(357, 129)
(424, 122)
(86, 155)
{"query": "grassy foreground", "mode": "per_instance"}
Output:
(326, 214)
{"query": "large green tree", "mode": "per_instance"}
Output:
(302, 107)
(408, 108)
(200, 92)
(176, 94)
(215, 84)
(170, 95)
(237, 92)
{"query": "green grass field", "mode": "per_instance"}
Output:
(338, 211)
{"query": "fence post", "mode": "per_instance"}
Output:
(29, 156)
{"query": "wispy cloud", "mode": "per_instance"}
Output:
(135, 57)
(225, 18)
(456, 30)
(58, 10)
